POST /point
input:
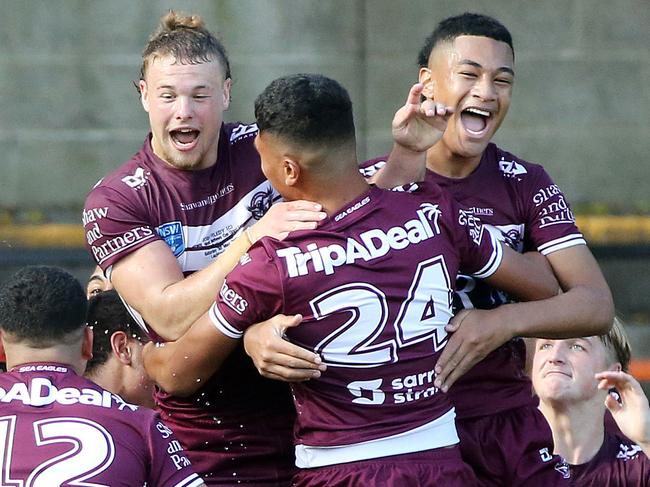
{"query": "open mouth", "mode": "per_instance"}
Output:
(184, 138)
(475, 120)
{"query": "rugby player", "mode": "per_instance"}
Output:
(373, 283)
(467, 65)
(577, 381)
(167, 226)
(116, 364)
(57, 427)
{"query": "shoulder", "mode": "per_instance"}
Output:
(125, 181)
(513, 167)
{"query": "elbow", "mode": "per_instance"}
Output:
(176, 388)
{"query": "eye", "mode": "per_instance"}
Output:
(201, 97)
(578, 347)
(94, 291)
(503, 81)
(167, 96)
(544, 346)
(468, 74)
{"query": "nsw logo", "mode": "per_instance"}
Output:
(172, 233)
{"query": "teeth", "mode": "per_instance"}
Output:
(477, 111)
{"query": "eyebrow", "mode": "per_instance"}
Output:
(170, 87)
(477, 65)
(96, 277)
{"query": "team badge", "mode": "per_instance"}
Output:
(261, 202)
(172, 233)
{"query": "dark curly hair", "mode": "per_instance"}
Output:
(41, 305)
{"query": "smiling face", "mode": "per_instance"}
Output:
(563, 370)
(185, 103)
(474, 75)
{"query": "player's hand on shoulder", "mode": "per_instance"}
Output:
(286, 217)
(419, 124)
(275, 357)
(630, 409)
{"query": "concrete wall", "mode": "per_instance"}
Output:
(70, 113)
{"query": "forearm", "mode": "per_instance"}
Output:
(182, 303)
(402, 167)
(182, 367)
(581, 311)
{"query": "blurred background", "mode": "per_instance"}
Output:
(581, 105)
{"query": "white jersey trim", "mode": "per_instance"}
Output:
(562, 243)
(439, 433)
(221, 324)
(493, 262)
(192, 481)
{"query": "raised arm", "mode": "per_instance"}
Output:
(632, 414)
(151, 281)
(416, 126)
(183, 366)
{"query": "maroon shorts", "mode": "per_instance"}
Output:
(511, 448)
(442, 466)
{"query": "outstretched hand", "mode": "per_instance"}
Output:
(419, 124)
(285, 217)
(631, 413)
(275, 357)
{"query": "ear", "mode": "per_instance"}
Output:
(120, 347)
(226, 93)
(291, 170)
(144, 95)
(425, 77)
(617, 367)
(87, 344)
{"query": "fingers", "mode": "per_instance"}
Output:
(447, 362)
(620, 380)
(430, 108)
(302, 205)
(413, 98)
(456, 321)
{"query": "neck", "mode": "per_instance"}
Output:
(108, 376)
(444, 162)
(70, 355)
(333, 193)
(578, 429)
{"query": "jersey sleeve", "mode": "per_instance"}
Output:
(480, 252)
(251, 293)
(551, 225)
(114, 227)
(169, 465)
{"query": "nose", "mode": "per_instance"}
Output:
(484, 89)
(555, 355)
(184, 108)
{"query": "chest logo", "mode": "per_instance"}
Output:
(172, 233)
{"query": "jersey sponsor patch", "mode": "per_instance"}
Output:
(369, 245)
(172, 233)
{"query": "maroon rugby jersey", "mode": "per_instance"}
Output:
(521, 205)
(237, 428)
(373, 284)
(58, 428)
(618, 463)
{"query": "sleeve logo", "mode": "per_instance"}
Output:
(172, 234)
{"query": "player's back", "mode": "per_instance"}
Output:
(374, 287)
(58, 428)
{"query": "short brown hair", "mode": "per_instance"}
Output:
(186, 39)
(618, 344)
